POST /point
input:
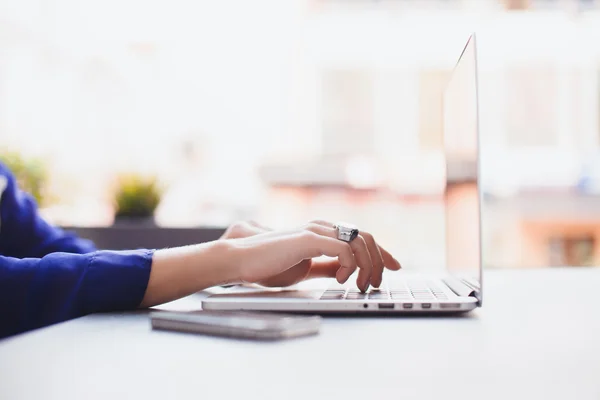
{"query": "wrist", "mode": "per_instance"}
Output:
(223, 256)
(181, 271)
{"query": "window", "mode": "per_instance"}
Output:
(348, 123)
(598, 103)
(587, 4)
(517, 4)
(431, 88)
(531, 105)
(572, 251)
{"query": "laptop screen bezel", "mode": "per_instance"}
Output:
(474, 282)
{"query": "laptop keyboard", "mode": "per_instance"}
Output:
(409, 290)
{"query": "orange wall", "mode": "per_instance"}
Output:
(536, 236)
(462, 227)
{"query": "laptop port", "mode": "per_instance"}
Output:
(386, 305)
(425, 305)
(407, 305)
(449, 305)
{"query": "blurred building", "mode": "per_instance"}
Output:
(370, 92)
(314, 108)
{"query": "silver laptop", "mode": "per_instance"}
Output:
(456, 290)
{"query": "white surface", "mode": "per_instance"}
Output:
(537, 336)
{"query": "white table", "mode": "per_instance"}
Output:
(537, 337)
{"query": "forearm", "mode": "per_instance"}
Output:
(181, 271)
(62, 286)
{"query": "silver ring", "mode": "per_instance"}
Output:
(346, 232)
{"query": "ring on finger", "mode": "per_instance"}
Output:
(346, 232)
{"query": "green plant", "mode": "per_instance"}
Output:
(31, 175)
(136, 196)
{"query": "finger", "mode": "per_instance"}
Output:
(390, 262)
(240, 229)
(342, 274)
(259, 226)
(361, 253)
(363, 259)
(324, 268)
(330, 269)
(321, 245)
(376, 259)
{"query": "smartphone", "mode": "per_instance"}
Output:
(237, 324)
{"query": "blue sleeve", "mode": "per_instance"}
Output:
(36, 292)
(23, 232)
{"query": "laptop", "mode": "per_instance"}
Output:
(458, 288)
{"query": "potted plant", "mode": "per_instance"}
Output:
(136, 198)
(31, 175)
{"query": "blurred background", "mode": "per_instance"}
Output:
(185, 116)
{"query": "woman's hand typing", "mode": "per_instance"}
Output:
(251, 253)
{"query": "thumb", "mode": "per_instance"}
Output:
(324, 268)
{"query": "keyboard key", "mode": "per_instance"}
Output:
(379, 296)
(332, 296)
(356, 296)
(422, 291)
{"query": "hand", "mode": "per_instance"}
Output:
(283, 258)
(255, 254)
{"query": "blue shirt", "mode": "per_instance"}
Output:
(48, 275)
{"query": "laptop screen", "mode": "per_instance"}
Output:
(462, 195)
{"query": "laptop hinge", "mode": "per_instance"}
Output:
(471, 283)
(459, 287)
(462, 287)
